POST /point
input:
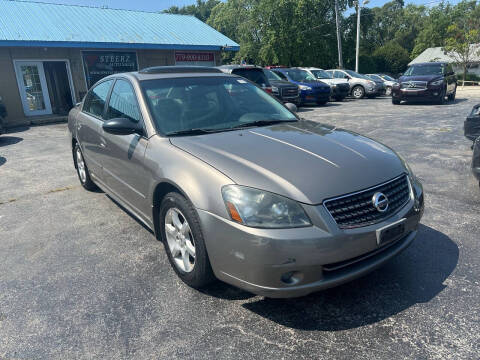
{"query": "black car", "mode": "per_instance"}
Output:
(472, 124)
(3, 115)
(267, 80)
(433, 81)
(476, 159)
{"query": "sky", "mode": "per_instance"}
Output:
(158, 5)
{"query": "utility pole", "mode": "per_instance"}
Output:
(339, 39)
(359, 8)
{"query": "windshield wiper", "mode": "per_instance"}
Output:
(197, 131)
(261, 123)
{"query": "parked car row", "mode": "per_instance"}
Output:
(312, 85)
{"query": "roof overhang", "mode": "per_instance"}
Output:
(106, 45)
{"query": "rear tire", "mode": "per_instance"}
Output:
(82, 169)
(358, 92)
(182, 237)
(395, 101)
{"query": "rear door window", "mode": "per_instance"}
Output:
(94, 103)
(255, 75)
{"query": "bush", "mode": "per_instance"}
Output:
(469, 77)
(391, 58)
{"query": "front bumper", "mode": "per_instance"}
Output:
(315, 96)
(340, 91)
(431, 93)
(261, 260)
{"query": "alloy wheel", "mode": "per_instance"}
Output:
(180, 240)
(82, 172)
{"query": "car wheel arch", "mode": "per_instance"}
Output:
(161, 189)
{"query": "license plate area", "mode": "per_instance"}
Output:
(391, 232)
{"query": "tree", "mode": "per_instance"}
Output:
(201, 10)
(461, 46)
(391, 58)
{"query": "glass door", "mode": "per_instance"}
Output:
(33, 88)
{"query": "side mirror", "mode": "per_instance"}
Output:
(122, 126)
(292, 107)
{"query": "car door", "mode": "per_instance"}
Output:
(89, 127)
(123, 155)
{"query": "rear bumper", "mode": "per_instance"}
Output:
(295, 262)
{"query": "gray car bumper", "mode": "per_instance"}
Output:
(260, 260)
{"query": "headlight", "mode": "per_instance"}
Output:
(436, 83)
(262, 209)
(333, 86)
(396, 84)
(274, 89)
(304, 87)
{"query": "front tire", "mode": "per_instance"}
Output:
(395, 101)
(358, 92)
(183, 240)
(82, 169)
(451, 97)
(442, 100)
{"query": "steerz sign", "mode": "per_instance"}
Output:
(194, 58)
(99, 64)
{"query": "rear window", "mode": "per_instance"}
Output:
(255, 75)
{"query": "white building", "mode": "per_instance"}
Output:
(438, 54)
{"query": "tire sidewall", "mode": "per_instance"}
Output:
(201, 274)
(362, 90)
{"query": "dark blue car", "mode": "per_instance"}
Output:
(312, 91)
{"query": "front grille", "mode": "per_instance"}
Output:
(356, 210)
(413, 85)
(290, 92)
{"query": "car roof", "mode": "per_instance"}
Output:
(238, 66)
(168, 72)
(430, 63)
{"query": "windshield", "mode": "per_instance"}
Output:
(375, 77)
(299, 75)
(388, 78)
(430, 69)
(356, 75)
(321, 74)
(209, 103)
(271, 75)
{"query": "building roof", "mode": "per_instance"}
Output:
(437, 54)
(24, 23)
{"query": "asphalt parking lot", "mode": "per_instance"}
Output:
(81, 278)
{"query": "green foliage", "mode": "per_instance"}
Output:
(302, 32)
(391, 58)
(200, 10)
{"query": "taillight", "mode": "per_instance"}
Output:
(268, 89)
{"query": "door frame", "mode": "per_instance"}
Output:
(22, 89)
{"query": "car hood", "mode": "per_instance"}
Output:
(305, 161)
(281, 83)
(419, 78)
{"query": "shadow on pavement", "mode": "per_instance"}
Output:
(2, 160)
(9, 140)
(17, 129)
(416, 276)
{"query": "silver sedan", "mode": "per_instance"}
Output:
(237, 187)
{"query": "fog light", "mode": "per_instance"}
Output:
(436, 94)
(292, 277)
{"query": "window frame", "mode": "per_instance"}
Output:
(107, 103)
(107, 99)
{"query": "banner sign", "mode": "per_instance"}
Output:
(99, 64)
(194, 57)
